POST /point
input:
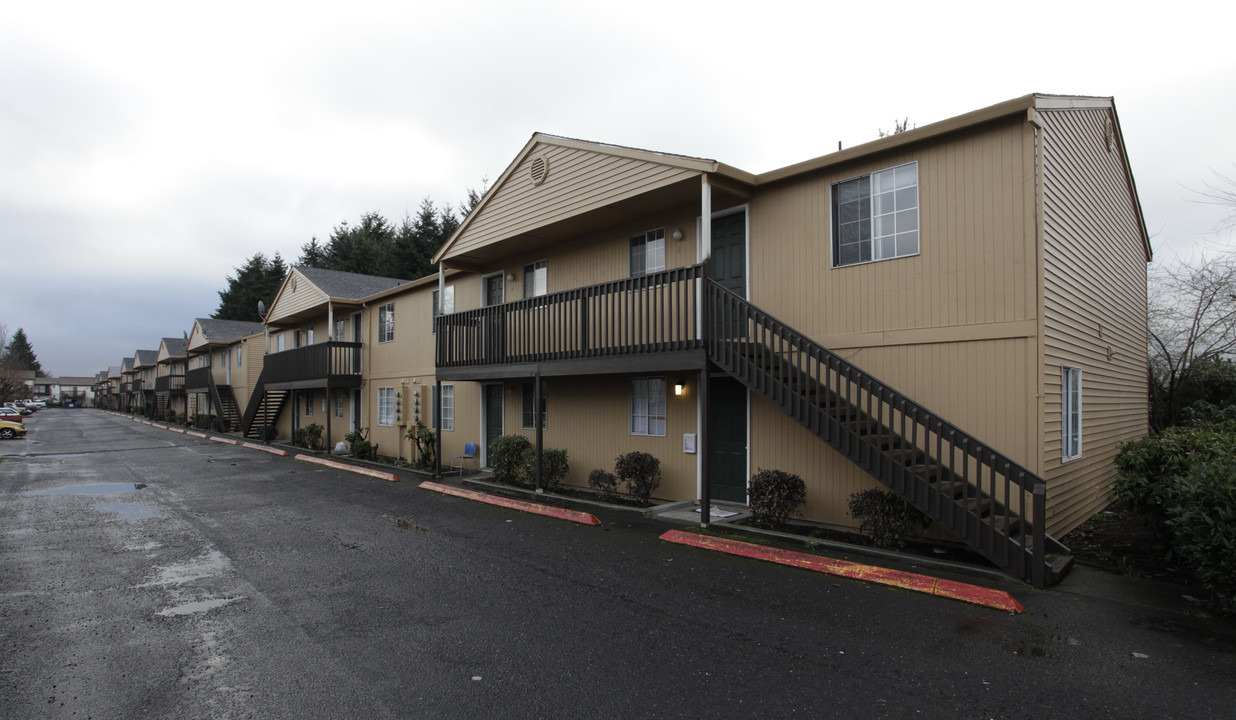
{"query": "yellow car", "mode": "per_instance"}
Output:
(9, 429)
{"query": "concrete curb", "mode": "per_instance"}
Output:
(974, 594)
(512, 504)
(263, 448)
(218, 439)
(391, 477)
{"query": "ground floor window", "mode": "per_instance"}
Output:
(386, 406)
(340, 395)
(448, 407)
(648, 406)
(1071, 405)
(529, 416)
(308, 403)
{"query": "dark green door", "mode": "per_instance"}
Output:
(728, 266)
(727, 439)
(729, 252)
(493, 415)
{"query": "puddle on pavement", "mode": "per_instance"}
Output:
(129, 511)
(203, 566)
(99, 489)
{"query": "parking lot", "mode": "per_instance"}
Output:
(153, 574)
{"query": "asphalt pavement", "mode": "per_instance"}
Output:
(145, 573)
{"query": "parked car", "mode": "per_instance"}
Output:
(11, 415)
(19, 409)
(10, 430)
(35, 404)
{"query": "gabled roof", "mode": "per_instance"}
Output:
(635, 182)
(306, 289)
(209, 331)
(126, 365)
(339, 285)
(114, 371)
(172, 348)
(145, 358)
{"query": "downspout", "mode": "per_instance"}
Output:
(437, 401)
(536, 423)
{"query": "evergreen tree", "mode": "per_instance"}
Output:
(20, 355)
(258, 279)
(312, 254)
(365, 248)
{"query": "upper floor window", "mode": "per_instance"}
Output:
(386, 322)
(648, 252)
(875, 217)
(240, 360)
(340, 326)
(279, 343)
(536, 279)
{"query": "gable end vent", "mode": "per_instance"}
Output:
(539, 169)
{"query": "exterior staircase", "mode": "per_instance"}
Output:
(229, 410)
(264, 408)
(983, 498)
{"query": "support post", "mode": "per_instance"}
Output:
(536, 423)
(702, 447)
(437, 426)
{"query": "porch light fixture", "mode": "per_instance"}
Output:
(510, 277)
(679, 388)
(677, 234)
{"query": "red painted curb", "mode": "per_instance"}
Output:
(196, 434)
(965, 592)
(560, 513)
(263, 448)
(177, 430)
(392, 477)
(229, 441)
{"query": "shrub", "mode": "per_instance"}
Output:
(1147, 467)
(202, 421)
(169, 415)
(603, 482)
(506, 457)
(774, 495)
(358, 443)
(885, 517)
(1202, 521)
(310, 436)
(640, 472)
(267, 433)
(426, 441)
(554, 467)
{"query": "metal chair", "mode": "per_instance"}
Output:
(469, 453)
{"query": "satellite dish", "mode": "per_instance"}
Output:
(186, 332)
(261, 309)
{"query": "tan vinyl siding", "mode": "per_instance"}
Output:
(976, 256)
(578, 181)
(589, 417)
(1094, 284)
(297, 295)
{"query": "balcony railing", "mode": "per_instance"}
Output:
(323, 361)
(198, 379)
(170, 383)
(653, 313)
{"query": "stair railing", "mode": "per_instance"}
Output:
(993, 503)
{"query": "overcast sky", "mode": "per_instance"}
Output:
(147, 149)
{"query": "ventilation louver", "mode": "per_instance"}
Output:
(539, 169)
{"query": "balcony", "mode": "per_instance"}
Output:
(170, 384)
(636, 324)
(329, 364)
(198, 380)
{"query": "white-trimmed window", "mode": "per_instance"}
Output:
(1071, 412)
(536, 279)
(648, 252)
(280, 342)
(448, 407)
(875, 217)
(386, 322)
(340, 326)
(240, 356)
(386, 406)
(443, 304)
(529, 416)
(340, 396)
(308, 403)
(648, 406)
